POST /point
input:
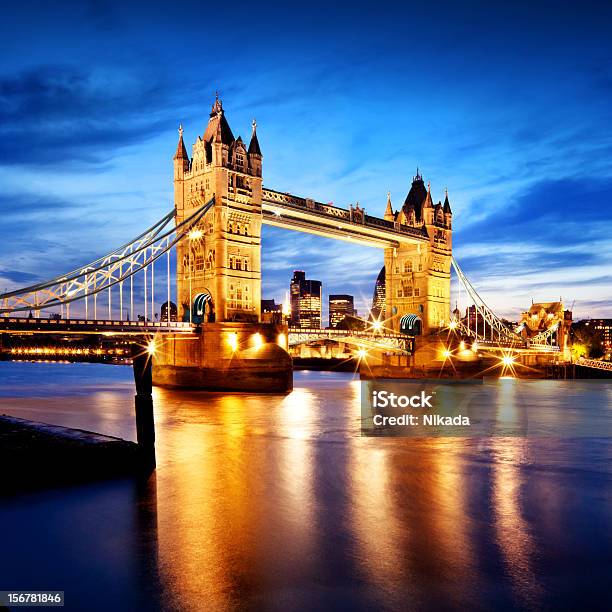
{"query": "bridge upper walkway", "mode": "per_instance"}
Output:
(352, 225)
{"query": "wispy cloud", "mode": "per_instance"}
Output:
(89, 109)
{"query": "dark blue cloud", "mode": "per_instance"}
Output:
(59, 114)
(549, 213)
(506, 104)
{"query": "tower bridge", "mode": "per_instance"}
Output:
(214, 230)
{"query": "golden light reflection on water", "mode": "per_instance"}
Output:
(258, 499)
(240, 505)
(295, 465)
(512, 529)
(239, 483)
(377, 526)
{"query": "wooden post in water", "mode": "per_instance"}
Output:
(145, 424)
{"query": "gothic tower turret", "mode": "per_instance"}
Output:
(389, 215)
(448, 214)
(418, 275)
(220, 264)
(181, 166)
(255, 155)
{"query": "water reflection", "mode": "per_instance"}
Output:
(513, 534)
(277, 503)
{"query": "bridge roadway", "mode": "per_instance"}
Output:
(20, 325)
(352, 225)
(367, 339)
(102, 327)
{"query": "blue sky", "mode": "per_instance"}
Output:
(508, 105)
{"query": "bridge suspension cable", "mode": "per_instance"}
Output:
(498, 330)
(107, 271)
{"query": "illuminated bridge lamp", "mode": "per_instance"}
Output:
(151, 348)
(475, 346)
(195, 234)
(282, 341)
(232, 340)
(257, 340)
(362, 353)
(452, 325)
(446, 353)
(462, 346)
(507, 360)
(377, 325)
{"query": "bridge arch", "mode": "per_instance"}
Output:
(200, 302)
(411, 325)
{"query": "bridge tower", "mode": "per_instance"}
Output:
(220, 264)
(418, 275)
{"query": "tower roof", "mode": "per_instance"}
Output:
(447, 208)
(389, 208)
(428, 203)
(254, 144)
(181, 151)
(218, 129)
(416, 196)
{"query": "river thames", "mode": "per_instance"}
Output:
(278, 503)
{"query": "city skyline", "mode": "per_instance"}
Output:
(89, 129)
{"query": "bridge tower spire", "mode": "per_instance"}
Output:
(389, 215)
(221, 263)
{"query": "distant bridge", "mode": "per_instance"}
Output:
(381, 340)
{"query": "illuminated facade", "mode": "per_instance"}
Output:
(222, 258)
(417, 276)
(544, 316)
(340, 306)
(378, 299)
(306, 302)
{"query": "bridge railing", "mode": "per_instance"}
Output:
(594, 363)
(59, 324)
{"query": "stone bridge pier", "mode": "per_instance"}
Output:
(226, 356)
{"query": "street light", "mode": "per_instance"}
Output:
(232, 340)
